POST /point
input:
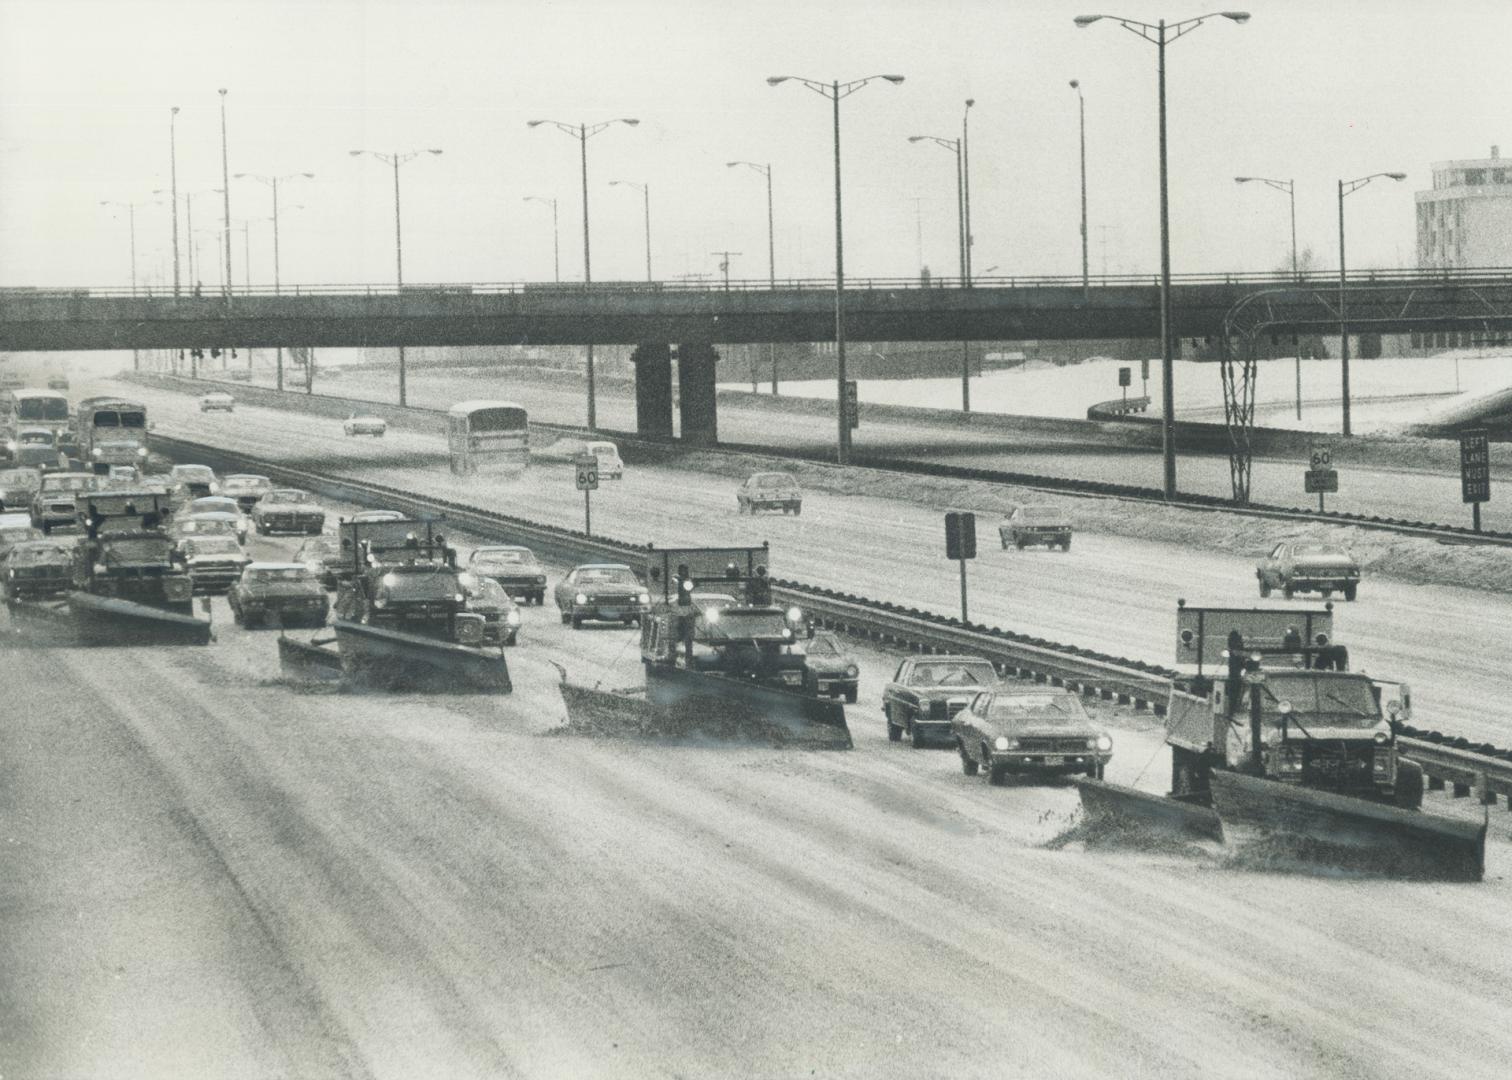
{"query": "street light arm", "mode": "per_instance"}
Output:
(953, 145)
(833, 91)
(1280, 185)
(1348, 187)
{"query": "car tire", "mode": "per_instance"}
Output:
(1019, 544)
(1095, 771)
(894, 732)
(969, 764)
(236, 615)
(997, 775)
(1065, 545)
(797, 510)
(915, 737)
(566, 618)
(577, 622)
(1350, 591)
(1265, 588)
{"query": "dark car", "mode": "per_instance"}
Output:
(36, 447)
(926, 691)
(606, 592)
(53, 505)
(769, 491)
(246, 488)
(513, 567)
(288, 510)
(215, 562)
(1035, 731)
(16, 529)
(501, 616)
(36, 569)
(1295, 566)
(17, 486)
(1028, 525)
(324, 557)
(57, 382)
(831, 670)
(289, 593)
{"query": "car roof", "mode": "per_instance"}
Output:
(246, 476)
(277, 566)
(947, 658)
(592, 565)
(784, 475)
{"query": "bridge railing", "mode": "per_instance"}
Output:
(1316, 278)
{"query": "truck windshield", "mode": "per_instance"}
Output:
(137, 552)
(744, 625)
(1341, 702)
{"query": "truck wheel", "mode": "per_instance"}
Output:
(969, 764)
(997, 775)
(1265, 588)
(1409, 785)
(1349, 591)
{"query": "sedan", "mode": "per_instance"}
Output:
(1031, 731)
(606, 592)
(513, 567)
(288, 510)
(769, 491)
(365, 425)
(215, 562)
(832, 671)
(17, 486)
(36, 569)
(223, 508)
(1046, 525)
(288, 592)
(218, 401)
(246, 488)
(192, 481)
(16, 529)
(926, 691)
(501, 616)
(1305, 566)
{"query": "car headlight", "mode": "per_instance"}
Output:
(141, 451)
(390, 580)
(1382, 738)
(93, 453)
(580, 598)
(1104, 743)
(380, 602)
(513, 618)
(645, 598)
(787, 632)
(851, 671)
(541, 579)
(1000, 743)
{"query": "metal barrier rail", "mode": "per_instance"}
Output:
(545, 288)
(1446, 761)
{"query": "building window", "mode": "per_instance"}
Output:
(1475, 176)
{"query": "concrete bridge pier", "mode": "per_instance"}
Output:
(653, 389)
(696, 386)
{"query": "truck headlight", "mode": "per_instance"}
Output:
(645, 598)
(541, 579)
(795, 614)
(1382, 738)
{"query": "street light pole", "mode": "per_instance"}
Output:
(272, 182)
(966, 196)
(1290, 187)
(1161, 34)
(645, 190)
(136, 358)
(1347, 187)
(226, 191)
(173, 187)
(835, 90)
(766, 170)
(956, 146)
(1081, 109)
(583, 132)
(556, 252)
(396, 159)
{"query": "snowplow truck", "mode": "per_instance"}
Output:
(1274, 736)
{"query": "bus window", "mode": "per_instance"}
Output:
(484, 434)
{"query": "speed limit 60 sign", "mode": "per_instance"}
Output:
(1321, 456)
(587, 474)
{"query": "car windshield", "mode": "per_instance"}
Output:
(823, 646)
(246, 483)
(206, 526)
(1315, 699)
(1043, 708)
(282, 573)
(38, 555)
(193, 474)
(489, 590)
(954, 673)
(213, 505)
(326, 545)
(500, 558)
(1039, 514)
(1316, 551)
(67, 483)
(213, 545)
(289, 495)
(774, 480)
(36, 438)
(606, 575)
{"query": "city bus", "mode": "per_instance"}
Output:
(112, 431)
(487, 434)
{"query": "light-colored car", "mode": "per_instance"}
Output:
(217, 401)
(1295, 566)
(35, 447)
(36, 569)
(365, 425)
(186, 482)
(53, 505)
(1035, 731)
(16, 529)
(603, 592)
(224, 508)
(288, 510)
(215, 562)
(246, 488)
(1028, 525)
(377, 515)
(769, 491)
(17, 486)
(610, 466)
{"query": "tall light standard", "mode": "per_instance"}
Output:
(1290, 187)
(556, 248)
(966, 191)
(724, 265)
(835, 90)
(395, 160)
(582, 133)
(766, 170)
(173, 188)
(272, 182)
(1161, 34)
(136, 359)
(1081, 109)
(954, 146)
(645, 190)
(1346, 187)
(226, 191)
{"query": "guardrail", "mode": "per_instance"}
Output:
(1446, 761)
(1117, 407)
(1012, 281)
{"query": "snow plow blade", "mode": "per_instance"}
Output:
(393, 660)
(1112, 811)
(1284, 824)
(105, 620)
(695, 707)
(309, 659)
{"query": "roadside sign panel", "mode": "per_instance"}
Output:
(1320, 456)
(852, 404)
(1125, 376)
(1475, 466)
(587, 474)
(960, 534)
(1319, 481)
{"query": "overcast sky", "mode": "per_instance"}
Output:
(1311, 90)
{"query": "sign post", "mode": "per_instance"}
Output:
(1321, 476)
(960, 544)
(587, 482)
(1475, 471)
(852, 405)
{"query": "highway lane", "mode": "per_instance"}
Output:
(1422, 490)
(208, 872)
(1109, 592)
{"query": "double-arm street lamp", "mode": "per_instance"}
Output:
(955, 147)
(273, 182)
(645, 190)
(835, 90)
(766, 171)
(1346, 187)
(582, 133)
(395, 160)
(556, 249)
(1160, 35)
(1290, 187)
